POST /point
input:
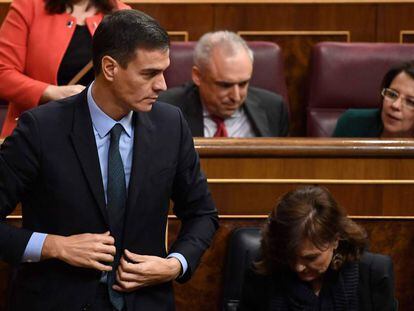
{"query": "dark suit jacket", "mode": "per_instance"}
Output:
(50, 163)
(375, 287)
(266, 110)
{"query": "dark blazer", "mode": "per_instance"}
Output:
(359, 123)
(375, 287)
(50, 163)
(266, 110)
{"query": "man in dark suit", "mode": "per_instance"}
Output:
(95, 173)
(220, 102)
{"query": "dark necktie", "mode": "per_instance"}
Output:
(221, 127)
(116, 200)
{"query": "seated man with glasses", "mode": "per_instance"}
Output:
(394, 118)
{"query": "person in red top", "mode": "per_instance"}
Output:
(43, 44)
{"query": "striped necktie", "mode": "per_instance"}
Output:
(221, 127)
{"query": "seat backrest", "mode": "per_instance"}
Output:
(347, 75)
(243, 248)
(268, 72)
(181, 62)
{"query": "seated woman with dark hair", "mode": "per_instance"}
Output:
(314, 258)
(395, 117)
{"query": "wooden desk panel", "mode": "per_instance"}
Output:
(358, 199)
(367, 177)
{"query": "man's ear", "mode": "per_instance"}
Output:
(109, 68)
(196, 75)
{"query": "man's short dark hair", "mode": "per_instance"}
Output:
(120, 34)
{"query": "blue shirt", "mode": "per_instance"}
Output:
(102, 125)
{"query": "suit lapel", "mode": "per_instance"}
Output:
(257, 115)
(194, 112)
(84, 143)
(143, 131)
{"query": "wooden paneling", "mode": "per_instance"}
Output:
(359, 199)
(178, 35)
(371, 177)
(392, 19)
(4, 8)
(407, 36)
(196, 19)
(305, 17)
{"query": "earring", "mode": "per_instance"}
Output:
(337, 260)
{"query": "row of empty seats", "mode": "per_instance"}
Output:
(342, 75)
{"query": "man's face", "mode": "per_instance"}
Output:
(223, 82)
(137, 86)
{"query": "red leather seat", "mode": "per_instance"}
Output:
(181, 62)
(267, 68)
(347, 75)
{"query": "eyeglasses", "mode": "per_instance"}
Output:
(392, 96)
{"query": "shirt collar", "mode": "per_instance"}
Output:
(236, 114)
(104, 123)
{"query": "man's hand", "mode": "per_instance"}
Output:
(85, 250)
(135, 271)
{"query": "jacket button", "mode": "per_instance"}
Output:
(86, 307)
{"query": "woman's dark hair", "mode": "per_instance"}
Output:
(60, 6)
(308, 213)
(406, 67)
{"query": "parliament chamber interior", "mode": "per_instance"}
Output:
(323, 57)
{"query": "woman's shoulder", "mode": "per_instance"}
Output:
(358, 123)
(360, 113)
(26, 11)
(376, 283)
(376, 263)
(28, 4)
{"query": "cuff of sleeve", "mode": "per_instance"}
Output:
(182, 260)
(33, 250)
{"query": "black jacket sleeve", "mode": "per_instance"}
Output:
(19, 167)
(193, 205)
